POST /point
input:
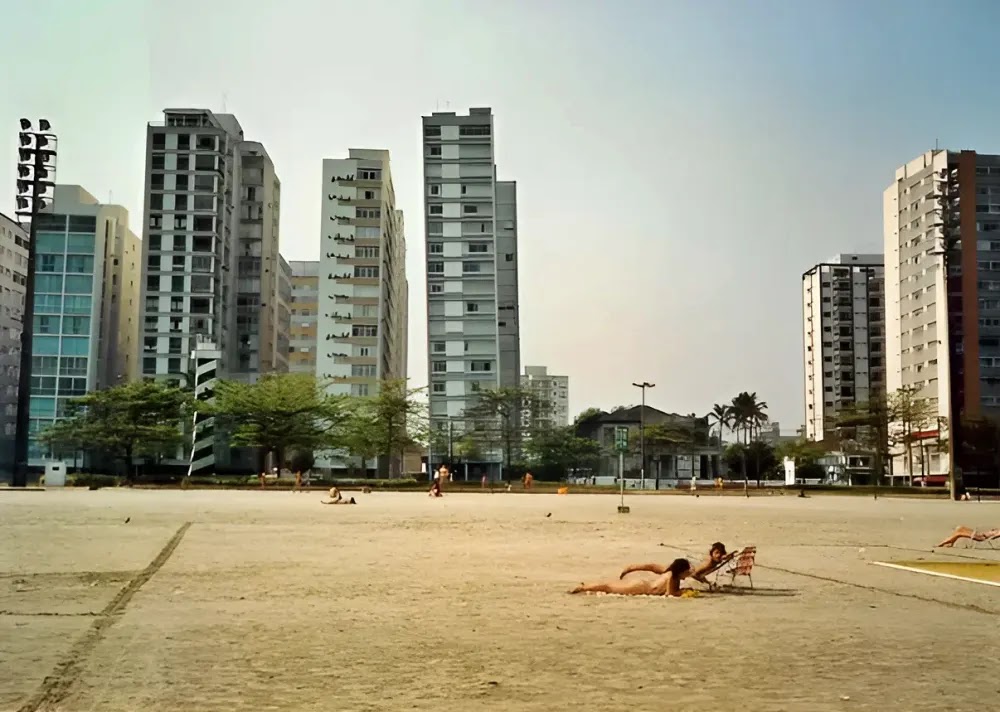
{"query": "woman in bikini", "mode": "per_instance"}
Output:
(973, 534)
(668, 583)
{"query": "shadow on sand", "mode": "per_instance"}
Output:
(758, 591)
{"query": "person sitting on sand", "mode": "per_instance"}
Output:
(973, 534)
(337, 498)
(666, 584)
(716, 557)
(435, 490)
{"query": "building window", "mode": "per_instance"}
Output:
(470, 209)
(368, 213)
(474, 130)
(435, 190)
(370, 174)
(436, 347)
(471, 307)
(435, 209)
(479, 247)
(435, 228)
(437, 288)
(435, 248)
(468, 267)
(437, 388)
(439, 366)
(481, 366)
(434, 151)
(366, 272)
(431, 131)
(435, 267)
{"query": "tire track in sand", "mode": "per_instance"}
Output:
(56, 686)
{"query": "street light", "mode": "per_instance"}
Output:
(36, 168)
(642, 434)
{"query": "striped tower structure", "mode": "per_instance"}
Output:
(205, 357)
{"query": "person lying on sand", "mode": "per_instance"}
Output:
(716, 557)
(666, 584)
(337, 498)
(974, 535)
(435, 490)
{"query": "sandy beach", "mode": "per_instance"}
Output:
(209, 600)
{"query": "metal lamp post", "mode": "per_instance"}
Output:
(642, 432)
(36, 170)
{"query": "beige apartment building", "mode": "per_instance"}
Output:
(304, 314)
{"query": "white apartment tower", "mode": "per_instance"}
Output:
(472, 290)
(843, 305)
(944, 330)
(554, 390)
(362, 307)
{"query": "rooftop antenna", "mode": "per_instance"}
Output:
(223, 102)
(935, 144)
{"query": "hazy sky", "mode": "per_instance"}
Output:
(680, 164)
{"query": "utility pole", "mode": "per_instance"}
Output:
(36, 169)
(642, 433)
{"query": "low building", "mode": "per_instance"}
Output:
(665, 466)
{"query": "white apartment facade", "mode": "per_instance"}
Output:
(843, 305)
(362, 307)
(944, 330)
(472, 288)
(554, 390)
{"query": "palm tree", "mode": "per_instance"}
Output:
(722, 416)
(748, 414)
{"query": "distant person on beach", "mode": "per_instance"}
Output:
(716, 557)
(666, 584)
(337, 498)
(973, 534)
(435, 490)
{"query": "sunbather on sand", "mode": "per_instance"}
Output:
(337, 498)
(975, 535)
(717, 556)
(667, 583)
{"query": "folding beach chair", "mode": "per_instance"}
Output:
(739, 565)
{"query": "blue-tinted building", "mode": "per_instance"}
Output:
(86, 305)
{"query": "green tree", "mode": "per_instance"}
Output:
(280, 413)
(722, 416)
(504, 418)
(587, 415)
(120, 423)
(667, 439)
(748, 414)
(557, 451)
(386, 423)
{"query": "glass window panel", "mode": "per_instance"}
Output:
(41, 407)
(52, 283)
(50, 242)
(79, 284)
(45, 346)
(80, 264)
(80, 244)
(75, 345)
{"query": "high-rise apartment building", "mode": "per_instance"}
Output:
(211, 249)
(304, 314)
(472, 291)
(553, 390)
(190, 244)
(843, 305)
(13, 272)
(944, 330)
(258, 266)
(87, 284)
(362, 312)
